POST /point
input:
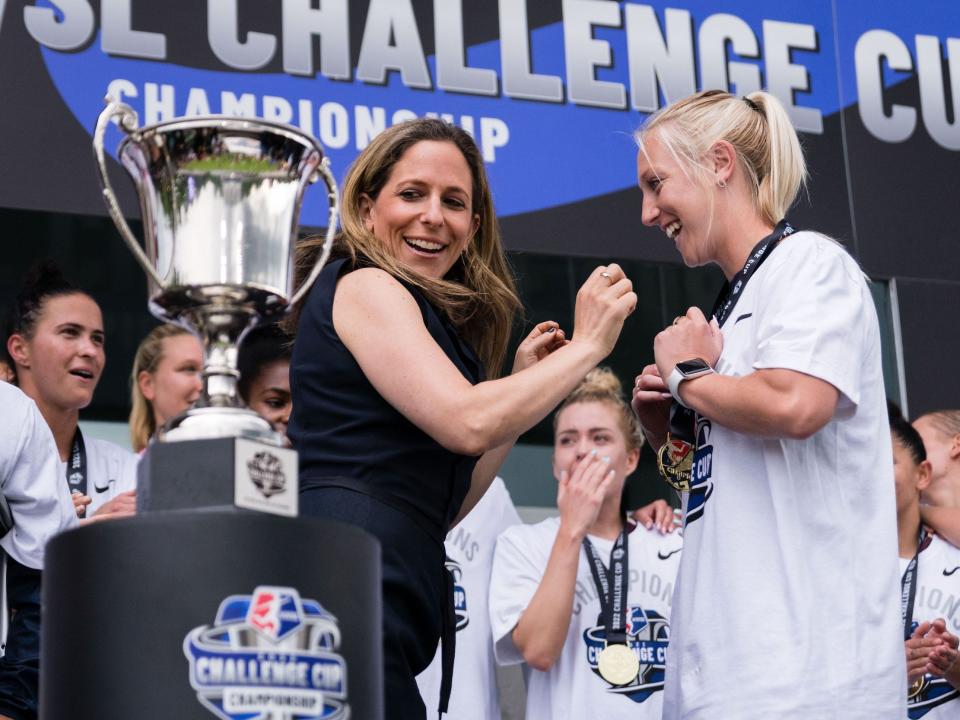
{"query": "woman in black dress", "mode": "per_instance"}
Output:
(398, 428)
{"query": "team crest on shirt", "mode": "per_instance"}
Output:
(459, 594)
(648, 633)
(701, 474)
(267, 655)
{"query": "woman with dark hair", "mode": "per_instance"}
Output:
(264, 365)
(55, 338)
(398, 428)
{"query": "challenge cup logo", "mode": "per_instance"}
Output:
(266, 472)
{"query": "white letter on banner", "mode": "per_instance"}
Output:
(584, 53)
(119, 38)
(784, 78)
(222, 33)
(158, 107)
(933, 102)
(301, 22)
(369, 123)
(72, 31)
(494, 134)
(277, 109)
(243, 106)
(452, 72)
(394, 19)
(334, 125)
(654, 59)
(716, 71)
(197, 103)
(518, 81)
(119, 89)
(871, 48)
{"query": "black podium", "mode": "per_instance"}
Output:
(212, 613)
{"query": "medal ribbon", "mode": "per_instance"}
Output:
(731, 291)
(611, 587)
(908, 584)
(77, 465)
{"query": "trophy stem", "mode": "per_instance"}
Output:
(219, 411)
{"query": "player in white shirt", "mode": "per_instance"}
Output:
(56, 341)
(40, 507)
(930, 582)
(470, 547)
(786, 602)
(545, 605)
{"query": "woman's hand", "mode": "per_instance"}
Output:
(690, 336)
(651, 403)
(660, 515)
(542, 340)
(123, 505)
(581, 493)
(604, 301)
(80, 502)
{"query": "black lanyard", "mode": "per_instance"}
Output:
(908, 585)
(612, 587)
(683, 420)
(77, 465)
(731, 291)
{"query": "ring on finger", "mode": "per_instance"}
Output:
(607, 276)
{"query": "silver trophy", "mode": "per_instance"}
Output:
(220, 199)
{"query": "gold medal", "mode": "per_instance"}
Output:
(618, 664)
(919, 685)
(675, 461)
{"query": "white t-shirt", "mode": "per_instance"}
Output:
(787, 603)
(470, 558)
(937, 596)
(573, 689)
(39, 501)
(111, 470)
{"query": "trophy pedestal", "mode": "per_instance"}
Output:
(197, 615)
(218, 473)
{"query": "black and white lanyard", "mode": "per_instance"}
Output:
(731, 291)
(77, 465)
(612, 587)
(908, 585)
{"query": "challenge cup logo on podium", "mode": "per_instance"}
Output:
(220, 199)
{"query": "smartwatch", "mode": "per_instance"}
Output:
(686, 370)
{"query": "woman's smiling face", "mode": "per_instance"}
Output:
(675, 202)
(424, 212)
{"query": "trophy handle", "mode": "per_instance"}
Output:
(127, 117)
(334, 197)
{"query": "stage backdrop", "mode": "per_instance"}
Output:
(552, 91)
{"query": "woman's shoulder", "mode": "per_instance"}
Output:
(816, 253)
(528, 536)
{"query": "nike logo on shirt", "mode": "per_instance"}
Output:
(665, 557)
(948, 574)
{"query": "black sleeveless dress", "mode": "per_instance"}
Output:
(364, 463)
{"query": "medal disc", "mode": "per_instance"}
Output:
(919, 685)
(675, 462)
(618, 664)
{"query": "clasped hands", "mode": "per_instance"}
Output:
(931, 650)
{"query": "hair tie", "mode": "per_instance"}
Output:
(752, 105)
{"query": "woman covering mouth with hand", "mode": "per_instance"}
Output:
(398, 415)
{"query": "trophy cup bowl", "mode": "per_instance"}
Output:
(220, 199)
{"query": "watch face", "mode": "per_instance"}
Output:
(692, 367)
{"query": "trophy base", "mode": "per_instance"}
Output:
(203, 423)
(218, 474)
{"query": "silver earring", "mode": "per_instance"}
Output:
(722, 184)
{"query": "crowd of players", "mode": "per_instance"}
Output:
(525, 593)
